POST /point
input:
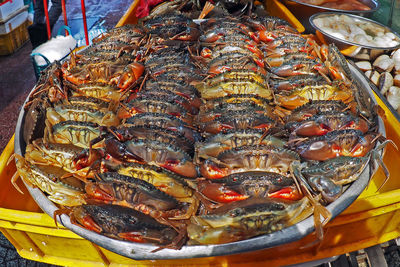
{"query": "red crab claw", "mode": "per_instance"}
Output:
(219, 193)
(206, 52)
(210, 170)
(362, 147)
(288, 193)
(187, 169)
(311, 128)
(335, 73)
(245, 30)
(255, 50)
(132, 72)
(259, 62)
(86, 220)
(218, 69)
(324, 51)
(86, 158)
(266, 36)
(254, 36)
(94, 191)
(321, 69)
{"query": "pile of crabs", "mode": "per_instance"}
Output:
(173, 132)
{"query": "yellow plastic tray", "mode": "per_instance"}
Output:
(372, 219)
(276, 8)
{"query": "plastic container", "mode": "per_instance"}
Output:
(372, 219)
(10, 6)
(12, 22)
(276, 8)
(10, 42)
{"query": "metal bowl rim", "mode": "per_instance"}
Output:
(377, 6)
(139, 251)
(311, 20)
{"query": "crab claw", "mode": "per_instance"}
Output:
(219, 193)
(86, 158)
(206, 53)
(312, 128)
(187, 168)
(132, 72)
(266, 36)
(210, 170)
(119, 151)
(96, 192)
(218, 69)
(335, 73)
(86, 220)
(255, 50)
(289, 193)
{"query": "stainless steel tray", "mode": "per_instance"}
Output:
(144, 251)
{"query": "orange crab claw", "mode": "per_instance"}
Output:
(187, 169)
(335, 73)
(99, 193)
(255, 50)
(206, 52)
(254, 36)
(86, 220)
(132, 72)
(211, 171)
(219, 193)
(288, 193)
(218, 69)
(259, 62)
(266, 36)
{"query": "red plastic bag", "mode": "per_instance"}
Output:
(143, 9)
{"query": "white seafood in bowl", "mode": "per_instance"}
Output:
(356, 30)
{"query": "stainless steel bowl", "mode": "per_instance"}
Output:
(303, 11)
(348, 48)
(144, 251)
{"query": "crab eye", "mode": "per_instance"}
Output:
(235, 212)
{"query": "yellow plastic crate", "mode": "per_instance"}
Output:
(372, 219)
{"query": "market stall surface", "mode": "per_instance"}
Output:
(17, 78)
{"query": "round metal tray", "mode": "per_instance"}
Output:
(144, 251)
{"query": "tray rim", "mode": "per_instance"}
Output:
(139, 251)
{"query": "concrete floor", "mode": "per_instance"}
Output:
(17, 78)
